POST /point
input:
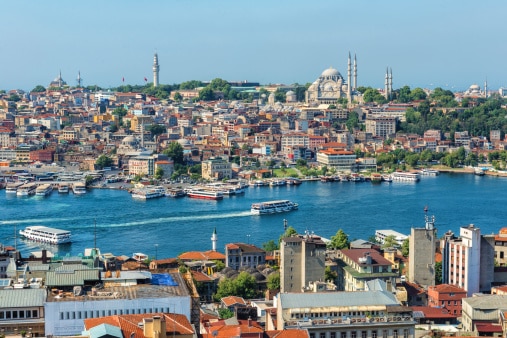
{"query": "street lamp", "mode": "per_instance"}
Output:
(248, 239)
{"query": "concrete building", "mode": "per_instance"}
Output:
(359, 314)
(216, 169)
(302, 260)
(445, 296)
(381, 126)
(22, 310)
(482, 308)
(238, 255)
(342, 160)
(501, 247)
(421, 268)
(381, 235)
(356, 267)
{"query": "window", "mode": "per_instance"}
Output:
(353, 334)
(405, 333)
(363, 334)
(395, 333)
(332, 335)
(384, 333)
(343, 334)
(322, 335)
(374, 334)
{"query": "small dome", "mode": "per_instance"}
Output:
(129, 140)
(290, 92)
(474, 87)
(330, 72)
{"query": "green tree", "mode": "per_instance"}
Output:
(206, 94)
(339, 241)
(89, 180)
(273, 281)
(225, 313)
(330, 275)
(177, 97)
(219, 265)
(418, 94)
(103, 161)
(174, 151)
(269, 246)
(390, 242)
(288, 233)
(438, 273)
(39, 89)
(156, 129)
(352, 121)
(159, 173)
(405, 247)
(190, 84)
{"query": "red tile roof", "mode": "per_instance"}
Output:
(232, 300)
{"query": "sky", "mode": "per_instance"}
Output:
(449, 44)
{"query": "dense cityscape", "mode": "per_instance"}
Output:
(207, 139)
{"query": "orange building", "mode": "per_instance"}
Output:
(446, 296)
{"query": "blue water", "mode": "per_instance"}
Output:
(167, 227)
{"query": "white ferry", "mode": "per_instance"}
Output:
(272, 207)
(27, 189)
(12, 188)
(39, 233)
(149, 192)
(63, 188)
(404, 176)
(430, 172)
(205, 194)
(44, 190)
(79, 188)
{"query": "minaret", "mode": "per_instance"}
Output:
(390, 83)
(355, 73)
(79, 79)
(156, 68)
(486, 88)
(60, 79)
(214, 240)
(386, 84)
(349, 81)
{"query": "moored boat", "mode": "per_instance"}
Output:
(12, 188)
(149, 192)
(205, 194)
(376, 178)
(405, 176)
(27, 189)
(429, 172)
(175, 193)
(272, 207)
(79, 188)
(44, 189)
(63, 188)
(42, 234)
(387, 178)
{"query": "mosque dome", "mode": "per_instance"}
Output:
(330, 72)
(129, 140)
(290, 92)
(474, 87)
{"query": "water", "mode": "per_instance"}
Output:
(167, 227)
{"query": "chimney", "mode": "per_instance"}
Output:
(44, 256)
(249, 321)
(148, 328)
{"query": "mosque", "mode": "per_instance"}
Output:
(331, 86)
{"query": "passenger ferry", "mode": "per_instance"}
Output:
(148, 192)
(44, 190)
(272, 207)
(175, 193)
(404, 176)
(79, 188)
(27, 189)
(63, 188)
(39, 233)
(12, 188)
(205, 194)
(430, 172)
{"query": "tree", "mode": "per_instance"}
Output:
(175, 151)
(390, 242)
(269, 246)
(39, 89)
(159, 173)
(438, 273)
(244, 285)
(206, 94)
(273, 281)
(177, 97)
(103, 161)
(156, 129)
(352, 121)
(339, 241)
(219, 265)
(225, 313)
(330, 275)
(405, 247)
(288, 233)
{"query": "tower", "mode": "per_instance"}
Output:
(214, 240)
(355, 73)
(386, 84)
(349, 80)
(156, 69)
(79, 79)
(390, 83)
(486, 89)
(421, 269)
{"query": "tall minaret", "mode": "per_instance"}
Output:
(79, 79)
(486, 88)
(386, 84)
(349, 81)
(355, 73)
(214, 240)
(156, 68)
(391, 84)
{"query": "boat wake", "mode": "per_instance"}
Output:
(179, 219)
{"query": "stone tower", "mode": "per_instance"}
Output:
(156, 69)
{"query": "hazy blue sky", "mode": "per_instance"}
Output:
(451, 44)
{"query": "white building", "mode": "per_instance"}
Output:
(380, 236)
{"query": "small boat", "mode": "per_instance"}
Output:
(79, 188)
(175, 193)
(42, 234)
(376, 178)
(387, 178)
(63, 188)
(277, 182)
(405, 176)
(44, 190)
(430, 172)
(149, 192)
(479, 172)
(272, 207)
